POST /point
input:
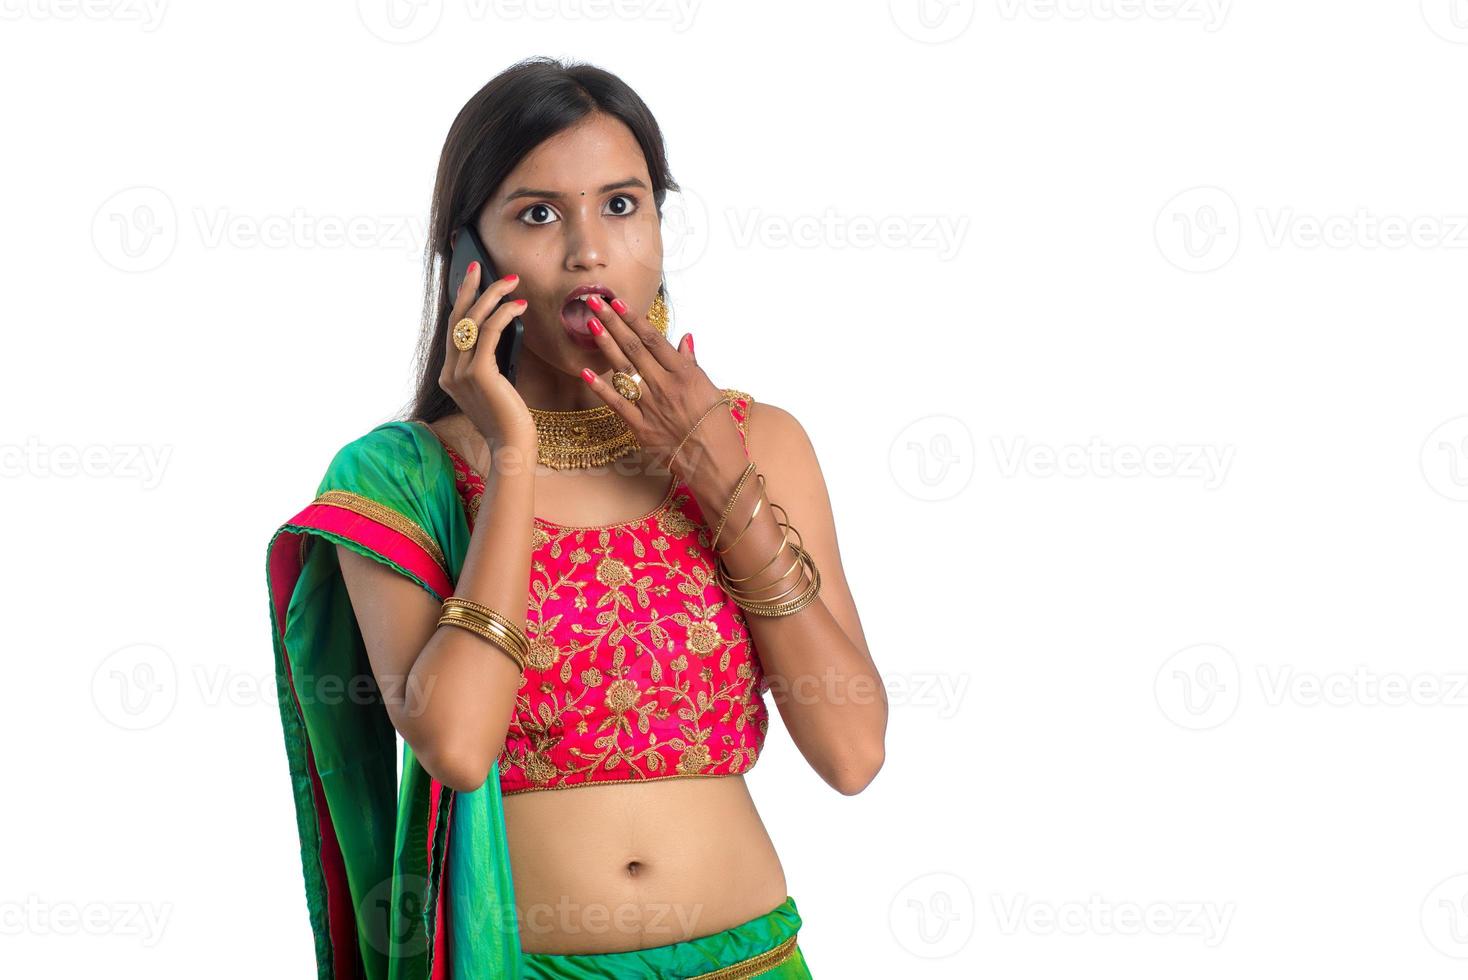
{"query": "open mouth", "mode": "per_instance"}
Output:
(575, 312)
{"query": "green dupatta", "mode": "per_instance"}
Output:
(405, 879)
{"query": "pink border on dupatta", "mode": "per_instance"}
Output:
(380, 538)
(285, 570)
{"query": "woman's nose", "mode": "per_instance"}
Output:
(586, 242)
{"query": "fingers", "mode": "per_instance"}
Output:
(614, 400)
(495, 292)
(643, 345)
(606, 344)
(465, 305)
(484, 364)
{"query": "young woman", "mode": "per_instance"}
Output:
(571, 801)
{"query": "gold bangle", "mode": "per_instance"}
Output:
(784, 539)
(490, 620)
(784, 543)
(484, 621)
(729, 507)
(752, 596)
(776, 609)
(752, 515)
(753, 591)
(479, 610)
(507, 636)
(500, 641)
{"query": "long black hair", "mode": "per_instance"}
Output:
(517, 110)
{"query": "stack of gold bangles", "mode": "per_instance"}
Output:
(484, 621)
(747, 597)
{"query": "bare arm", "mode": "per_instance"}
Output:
(449, 692)
(822, 676)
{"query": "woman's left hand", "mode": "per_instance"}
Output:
(675, 390)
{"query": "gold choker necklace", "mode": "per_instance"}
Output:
(581, 438)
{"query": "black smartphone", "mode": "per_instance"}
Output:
(468, 248)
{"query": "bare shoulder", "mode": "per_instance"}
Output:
(778, 443)
(772, 432)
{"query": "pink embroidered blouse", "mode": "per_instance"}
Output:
(640, 665)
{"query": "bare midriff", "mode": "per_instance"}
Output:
(623, 866)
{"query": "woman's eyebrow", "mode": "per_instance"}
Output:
(532, 192)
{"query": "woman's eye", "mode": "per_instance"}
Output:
(543, 214)
(627, 208)
(536, 212)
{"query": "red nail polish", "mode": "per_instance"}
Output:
(690, 343)
(523, 302)
(510, 278)
(589, 375)
(473, 267)
(595, 326)
(593, 301)
(620, 307)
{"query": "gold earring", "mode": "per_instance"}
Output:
(657, 314)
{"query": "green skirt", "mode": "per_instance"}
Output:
(762, 947)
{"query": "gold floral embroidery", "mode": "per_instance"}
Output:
(640, 667)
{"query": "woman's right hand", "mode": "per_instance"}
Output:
(473, 379)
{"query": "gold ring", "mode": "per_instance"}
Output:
(628, 384)
(466, 332)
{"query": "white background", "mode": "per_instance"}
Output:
(1200, 720)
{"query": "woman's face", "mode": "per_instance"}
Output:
(577, 211)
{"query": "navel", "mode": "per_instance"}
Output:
(634, 868)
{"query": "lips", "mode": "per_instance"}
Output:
(575, 312)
